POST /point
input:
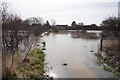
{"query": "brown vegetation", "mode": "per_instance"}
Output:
(84, 35)
(112, 53)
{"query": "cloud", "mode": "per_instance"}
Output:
(64, 11)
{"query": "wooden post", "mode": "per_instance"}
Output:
(101, 42)
(119, 31)
(118, 42)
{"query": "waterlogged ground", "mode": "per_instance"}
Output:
(70, 57)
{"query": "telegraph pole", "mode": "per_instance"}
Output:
(118, 25)
(119, 9)
(0, 46)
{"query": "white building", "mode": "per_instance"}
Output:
(119, 9)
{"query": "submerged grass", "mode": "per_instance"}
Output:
(107, 66)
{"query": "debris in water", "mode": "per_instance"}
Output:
(65, 64)
(51, 67)
(44, 43)
(91, 50)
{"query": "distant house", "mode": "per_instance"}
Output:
(62, 27)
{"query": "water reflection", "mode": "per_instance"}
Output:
(76, 52)
(52, 74)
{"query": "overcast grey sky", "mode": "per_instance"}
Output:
(65, 11)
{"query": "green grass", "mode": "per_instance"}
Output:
(35, 68)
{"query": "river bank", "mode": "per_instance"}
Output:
(110, 56)
(28, 61)
(67, 56)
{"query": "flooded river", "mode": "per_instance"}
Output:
(76, 53)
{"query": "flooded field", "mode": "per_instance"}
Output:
(70, 57)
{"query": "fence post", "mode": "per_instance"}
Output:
(101, 42)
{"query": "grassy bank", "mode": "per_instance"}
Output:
(31, 67)
(109, 58)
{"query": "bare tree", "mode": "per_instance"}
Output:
(4, 12)
(111, 27)
(35, 21)
(11, 36)
(53, 22)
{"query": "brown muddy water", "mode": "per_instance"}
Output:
(77, 55)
